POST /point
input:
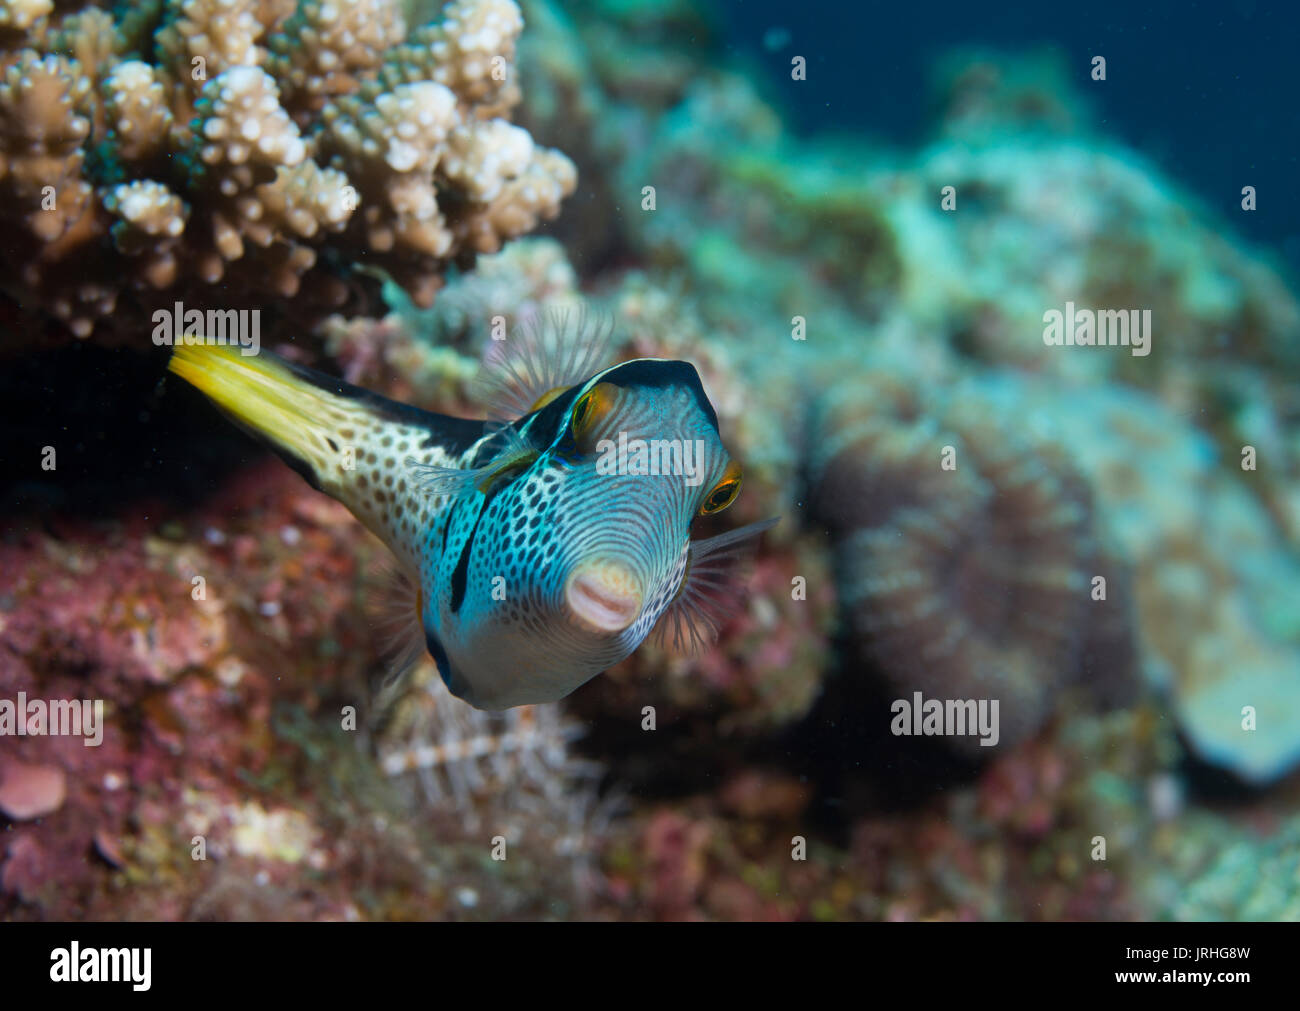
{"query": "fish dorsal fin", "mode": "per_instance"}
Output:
(712, 588)
(510, 452)
(540, 359)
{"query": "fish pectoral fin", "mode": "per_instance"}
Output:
(437, 482)
(394, 606)
(542, 358)
(712, 589)
(510, 453)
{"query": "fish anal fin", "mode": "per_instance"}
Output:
(395, 605)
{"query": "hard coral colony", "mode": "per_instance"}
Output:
(207, 151)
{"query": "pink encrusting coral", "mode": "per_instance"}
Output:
(228, 649)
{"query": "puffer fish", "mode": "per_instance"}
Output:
(542, 545)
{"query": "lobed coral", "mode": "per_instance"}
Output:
(967, 553)
(1041, 217)
(266, 147)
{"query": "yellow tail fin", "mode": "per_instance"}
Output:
(308, 425)
(348, 442)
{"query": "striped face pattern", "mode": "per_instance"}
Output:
(578, 540)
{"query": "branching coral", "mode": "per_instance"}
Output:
(203, 38)
(270, 134)
(44, 102)
(136, 111)
(24, 14)
(324, 49)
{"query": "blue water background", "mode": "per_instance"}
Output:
(1206, 90)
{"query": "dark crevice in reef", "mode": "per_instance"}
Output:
(845, 746)
(1210, 784)
(669, 763)
(123, 433)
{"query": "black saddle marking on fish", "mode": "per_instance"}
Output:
(460, 575)
(551, 420)
(653, 374)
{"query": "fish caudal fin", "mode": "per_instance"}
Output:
(347, 442)
(296, 418)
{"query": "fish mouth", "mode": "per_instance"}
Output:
(604, 596)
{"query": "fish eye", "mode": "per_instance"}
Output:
(724, 492)
(591, 406)
(581, 411)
